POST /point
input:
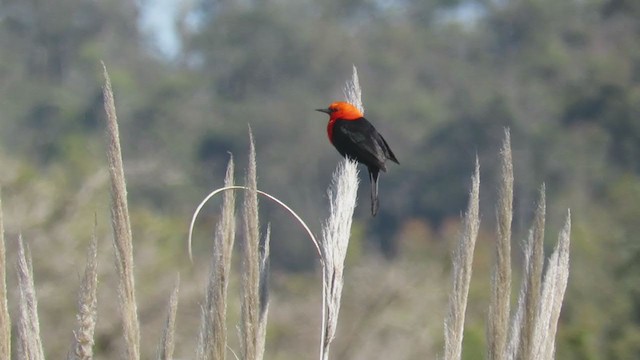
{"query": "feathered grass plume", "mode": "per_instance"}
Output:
(263, 292)
(251, 314)
(353, 92)
(5, 319)
(212, 339)
(82, 347)
(499, 308)
(336, 232)
(524, 320)
(462, 262)
(29, 342)
(554, 285)
(167, 342)
(121, 227)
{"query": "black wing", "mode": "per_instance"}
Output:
(359, 140)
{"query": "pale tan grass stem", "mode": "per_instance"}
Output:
(83, 336)
(29, 341)
(462, 262)
(250, 313)
(499, 307)
(121, 227)
(336, 232)
(263, 293)
(353, 92)
(167, 341)
(554, 285)
(533, 279)
(5, 319)
(212, 339)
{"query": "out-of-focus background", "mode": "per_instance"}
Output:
(441, 79)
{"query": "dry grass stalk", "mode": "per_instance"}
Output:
(534, 262)
(264, 292)
(554, 285)
(336, 232)
(167, 342)
(353, 92)
(5, 319)
(499, 307)
(82, 347)
(121, 227)
(462, 262)
(29, 342)
(249, 327)
(212, 339)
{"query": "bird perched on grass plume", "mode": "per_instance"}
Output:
(355, 138)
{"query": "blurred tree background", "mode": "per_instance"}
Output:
(440, 78)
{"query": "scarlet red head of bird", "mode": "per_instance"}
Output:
(342, 110)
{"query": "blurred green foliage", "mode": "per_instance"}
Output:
(441, 79)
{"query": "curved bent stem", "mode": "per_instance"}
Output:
(267, 195)
(297, 217)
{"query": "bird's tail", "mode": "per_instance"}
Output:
(373, 176)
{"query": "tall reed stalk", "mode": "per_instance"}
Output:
(335, 240)
(462, 266)
(212, 339)
(29, 342)
(500, 305)
(167, 341)
(5, 319)
(252, 339)
(83, 336)
(122, 239)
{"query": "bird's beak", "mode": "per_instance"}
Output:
(326, 111)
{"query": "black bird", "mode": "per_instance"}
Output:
(354, 137)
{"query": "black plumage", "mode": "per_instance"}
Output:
(355, 137)
(359, 140)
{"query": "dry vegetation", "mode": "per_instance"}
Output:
(526, 333)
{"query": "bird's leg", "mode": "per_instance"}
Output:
(373, 176)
